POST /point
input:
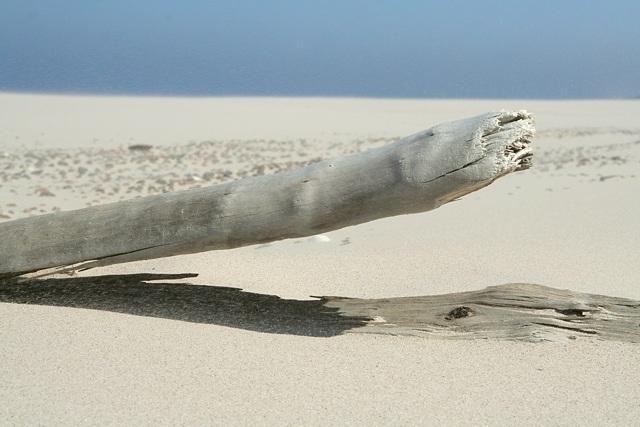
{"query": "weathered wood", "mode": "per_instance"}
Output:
(522, 312)
(519, 312)
(415, 174)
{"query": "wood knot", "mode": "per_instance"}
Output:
(571, 312)
(459, 312)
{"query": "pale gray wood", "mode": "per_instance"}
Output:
(522, 312)
(418, 173)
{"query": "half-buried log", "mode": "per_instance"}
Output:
(416, 174)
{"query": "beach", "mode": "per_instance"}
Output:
(570, 222)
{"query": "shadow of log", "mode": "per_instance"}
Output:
(131, 294)
(523, 312)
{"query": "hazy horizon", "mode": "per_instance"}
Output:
(414, 49)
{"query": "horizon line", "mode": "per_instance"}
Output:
(290, 96)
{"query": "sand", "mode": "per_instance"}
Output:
(570, 222)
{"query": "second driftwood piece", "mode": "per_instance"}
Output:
(517, 311)
(416, 174)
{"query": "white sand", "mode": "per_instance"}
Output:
(571, 222)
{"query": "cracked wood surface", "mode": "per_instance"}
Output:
(415, 174)
(522, 312)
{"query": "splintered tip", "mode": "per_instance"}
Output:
(520, 154)
(516, 130)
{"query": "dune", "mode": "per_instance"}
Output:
(208, 337)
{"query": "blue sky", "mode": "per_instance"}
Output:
(456, 49)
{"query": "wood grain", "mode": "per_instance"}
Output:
(523, 312)
(416, 174)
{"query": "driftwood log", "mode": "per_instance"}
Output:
(521, 312)
(416, 174)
